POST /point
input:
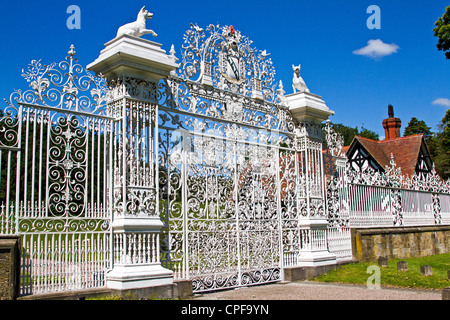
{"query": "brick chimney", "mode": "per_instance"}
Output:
(391, 125)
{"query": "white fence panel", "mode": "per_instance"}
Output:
(54, 262)
(417, 208)
(370, 206)
(444, 200)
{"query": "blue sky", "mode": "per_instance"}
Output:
(322, 36)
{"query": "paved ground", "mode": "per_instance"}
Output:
(306, 290)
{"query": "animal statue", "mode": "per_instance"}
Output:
(297, 81)
(137, 28)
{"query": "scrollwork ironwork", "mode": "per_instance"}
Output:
(223, 56)
(61, 86)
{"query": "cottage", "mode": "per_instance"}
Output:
(410, 153)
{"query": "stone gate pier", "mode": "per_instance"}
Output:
(309, 110)
(132, 67)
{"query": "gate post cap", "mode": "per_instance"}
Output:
(135, 57)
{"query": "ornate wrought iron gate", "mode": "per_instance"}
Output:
(55, 177)
(236, 174)
(221, 202)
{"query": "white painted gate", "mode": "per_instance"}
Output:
(55, 177)
(221, 200)
(236, 173)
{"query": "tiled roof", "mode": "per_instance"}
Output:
(345, 149)
(404, 149)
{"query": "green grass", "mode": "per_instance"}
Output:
(356, 273)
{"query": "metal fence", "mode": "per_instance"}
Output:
(386, 200)
(55, 178)
(368, 198)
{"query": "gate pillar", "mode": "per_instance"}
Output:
(309, 111)
(133, 67)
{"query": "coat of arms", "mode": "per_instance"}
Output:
(231, 64)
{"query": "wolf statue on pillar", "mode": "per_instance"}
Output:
(132, 67)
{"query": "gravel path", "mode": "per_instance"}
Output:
(306, 290)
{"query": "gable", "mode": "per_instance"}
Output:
(424, 162)
(360, 157)
(410, 154)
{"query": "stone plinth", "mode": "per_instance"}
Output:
(402, 266)
(124, 277)
(9, 267)
(383, 262)
(446, 293)
(314, 253)
(426, 271)
(292, 274)
(316, 258)
(129, 273)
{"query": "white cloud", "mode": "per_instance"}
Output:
(376, 49)
(442, 102)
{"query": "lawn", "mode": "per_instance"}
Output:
(356, 273)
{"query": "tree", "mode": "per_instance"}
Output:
(442, 32)
(416, 126)
(366, 133)
(439, 147)
(445, 130)
(349, 133)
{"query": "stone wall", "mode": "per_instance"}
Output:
(9, 267)
(368, 244)
(292, 274)
(180, 289)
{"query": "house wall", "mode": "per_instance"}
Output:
(368, 244)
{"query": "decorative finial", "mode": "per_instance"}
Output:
(281, 97)
(280, 88)
(172, 54)
(72, 50)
